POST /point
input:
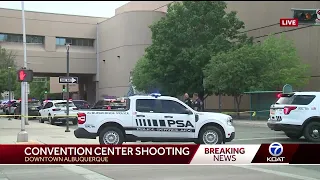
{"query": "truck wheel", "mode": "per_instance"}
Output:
(210, 135)
(293, 136)
(111, 135)
(312, 131)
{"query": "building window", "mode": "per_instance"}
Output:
(74, 41)
(19, 38)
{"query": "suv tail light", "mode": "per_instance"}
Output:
(56, 109)
(288, 109)
(81, 118)
(75, 108)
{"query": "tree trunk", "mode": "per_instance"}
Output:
(238, 101)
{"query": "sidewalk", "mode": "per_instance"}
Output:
(254, 123)
(39, 133)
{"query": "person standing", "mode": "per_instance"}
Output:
(187, 100)
(197, 103)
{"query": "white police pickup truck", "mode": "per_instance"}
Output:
(154, 118)
(297, 114)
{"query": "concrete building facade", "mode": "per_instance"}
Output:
(104, 50)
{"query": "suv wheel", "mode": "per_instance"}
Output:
(51, 120)
(41, 120)
(111, 135)
(312, 131)
(293, 136)
(210, 135)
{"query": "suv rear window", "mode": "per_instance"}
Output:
(296, 99)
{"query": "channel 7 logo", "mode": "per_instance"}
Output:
(275, 150)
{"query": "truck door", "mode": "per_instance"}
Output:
(145, 119)
(178, 124)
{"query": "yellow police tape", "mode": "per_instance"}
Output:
(254, 113)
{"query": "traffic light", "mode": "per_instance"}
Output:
(46, 90)
(25, 75)
(63, 88)
(305, 15)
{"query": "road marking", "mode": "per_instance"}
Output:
(271, 138)
(86, 173)
(276, 173)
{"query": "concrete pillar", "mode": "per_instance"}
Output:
(91, 91)
(81, 90)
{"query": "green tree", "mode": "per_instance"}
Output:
(7, 70)
(183, 43)
(37, 90)
(141, 75)
(265, 66)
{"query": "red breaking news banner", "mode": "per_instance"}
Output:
(161, 154)
(288, 153)
(96, 154)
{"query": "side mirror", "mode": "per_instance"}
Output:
(188, 111)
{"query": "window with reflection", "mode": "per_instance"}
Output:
(18, 38)
(61, 41)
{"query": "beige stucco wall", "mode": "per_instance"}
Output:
(49, 57)
(160, 6)
(122, 40)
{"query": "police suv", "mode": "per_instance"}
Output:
(297, 114)
(154, 118)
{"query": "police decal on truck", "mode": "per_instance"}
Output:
(164, 125)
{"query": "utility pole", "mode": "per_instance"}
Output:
(68, 69)
(23, 134)
(9, 89)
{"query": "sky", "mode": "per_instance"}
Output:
(85, 8)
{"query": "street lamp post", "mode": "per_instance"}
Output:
(9, 89)
(68, 69)
(23, 134)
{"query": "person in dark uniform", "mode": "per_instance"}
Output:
(187, 100)
(197, 103)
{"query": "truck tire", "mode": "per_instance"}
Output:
(293, 136)
(210, 135)
(111, 135)
(312, 131)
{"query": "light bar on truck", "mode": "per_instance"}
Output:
(156, 95)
